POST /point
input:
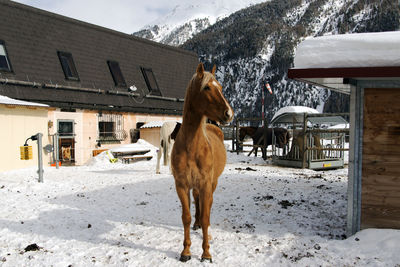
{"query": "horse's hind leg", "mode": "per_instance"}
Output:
(206, 198)
(159, 154)
(197, 224)
(184, 196)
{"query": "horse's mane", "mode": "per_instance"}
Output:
(207, 76)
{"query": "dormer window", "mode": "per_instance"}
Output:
(68, 66)
(116, 73)
(151, 81)
(4, 60)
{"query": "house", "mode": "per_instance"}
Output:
(101, 84)
(366, 66)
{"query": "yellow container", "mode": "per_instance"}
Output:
(26, 152)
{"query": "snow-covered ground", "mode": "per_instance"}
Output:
(105, 214)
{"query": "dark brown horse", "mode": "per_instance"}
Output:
(199, 156)
(256, 133)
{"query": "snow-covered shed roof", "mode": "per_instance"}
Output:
(287, 114)
(331, 61)
(295, 114)
(10, 101)
(153, 124)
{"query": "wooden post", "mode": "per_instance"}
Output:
(304, 140)
(237, 137)
(264, 151)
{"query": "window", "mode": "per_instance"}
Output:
(111, 128)
(151, 81)
(106, 129)
(68, 66)
(116, 73)
(4, 61)
(65, 128)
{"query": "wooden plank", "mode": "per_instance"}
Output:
(384, 197)
(381, 149)
(381, 138)
(374, 160)
(135, 158)
(95, 152)
(382, 179)
(377, 218)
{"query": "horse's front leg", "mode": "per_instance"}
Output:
(184, 196)
(206, 198)
(197, 223)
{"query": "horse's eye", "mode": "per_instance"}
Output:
(207, 88)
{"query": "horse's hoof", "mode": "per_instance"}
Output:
(206, 259)
(185, 258)
(196, 227)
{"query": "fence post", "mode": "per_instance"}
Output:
(304, 140)
(55, 150)
(233, 137)
(264, 151)
(237, 137)
(40, 155)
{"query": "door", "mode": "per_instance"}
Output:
(66, 141)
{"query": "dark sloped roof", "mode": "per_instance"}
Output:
(33, 37)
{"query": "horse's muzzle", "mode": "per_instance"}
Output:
(228, 116)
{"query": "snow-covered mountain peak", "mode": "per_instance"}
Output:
(187, 19)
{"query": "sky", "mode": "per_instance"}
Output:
(125, 16)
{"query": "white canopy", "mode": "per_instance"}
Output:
(291, 111)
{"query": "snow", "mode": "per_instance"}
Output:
(10, 101)
(293, 109)
(153, 124)
(349, 50)
(114, 214)
(211, 9)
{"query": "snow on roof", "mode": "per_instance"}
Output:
(293, 109)
(380, 49)
(153, 124)
(10, 101)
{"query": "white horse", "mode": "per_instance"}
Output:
(166, 142)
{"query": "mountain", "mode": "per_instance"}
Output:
(257, 44)
(184, 21)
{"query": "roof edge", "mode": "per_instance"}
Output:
(357, 72)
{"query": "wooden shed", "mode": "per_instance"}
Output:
(366, 66)
(20, 120)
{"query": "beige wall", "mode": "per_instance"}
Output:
(22, 122)
(151, 135)
(86, 130)
(19, 123)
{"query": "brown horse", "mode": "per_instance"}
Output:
(256, 133)
(199, 156)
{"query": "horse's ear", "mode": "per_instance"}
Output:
(200, 70)
(214, 69)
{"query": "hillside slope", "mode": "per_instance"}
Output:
(257, 45)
